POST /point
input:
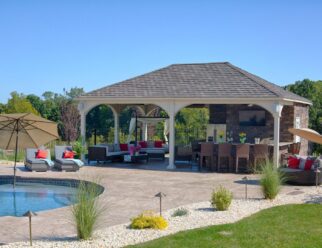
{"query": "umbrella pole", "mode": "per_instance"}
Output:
(15, 168)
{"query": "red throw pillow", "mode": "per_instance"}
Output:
(124, 147)
(158, 144)
(143, 144)
(293, 162)
(41, 154)
(308, 164)
(68, 154)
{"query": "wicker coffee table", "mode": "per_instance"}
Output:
(136, 158)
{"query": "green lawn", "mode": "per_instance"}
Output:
(283, 226)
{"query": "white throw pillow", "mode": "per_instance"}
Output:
(302, 163)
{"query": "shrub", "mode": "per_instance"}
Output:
(78, 148)
(271, 180)
(221, 198)
(149, 220)
(180, 212)
(87, 210)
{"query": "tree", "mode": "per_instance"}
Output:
(100, 119)
(70, 120)
(191, 124)
(18, 103)
(311, 90)
(74, 92)
(37, 103)
(2, 108)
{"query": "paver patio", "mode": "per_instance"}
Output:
(128, 191)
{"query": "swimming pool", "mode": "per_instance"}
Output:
(36, 194)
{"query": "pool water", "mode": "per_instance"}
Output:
(35, 197)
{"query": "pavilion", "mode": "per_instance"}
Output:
(213, 84)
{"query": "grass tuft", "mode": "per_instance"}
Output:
(87, 211)
(271, 180)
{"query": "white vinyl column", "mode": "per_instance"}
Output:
(83, 131)
(145, 131)
(277, 119)
(171, 165)
(116, 127)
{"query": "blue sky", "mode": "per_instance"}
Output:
(51, 45)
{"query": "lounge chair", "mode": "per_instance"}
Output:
(34, 164)
(66, 164)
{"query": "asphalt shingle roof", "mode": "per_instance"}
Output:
(208, 80)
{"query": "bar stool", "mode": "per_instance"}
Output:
(224, 151)
(196, 149)
(260, 152)
(207, 152)
(242, 151)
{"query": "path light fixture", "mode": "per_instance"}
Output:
(29, 214)
(160, 195)
(317, 171)
(246, 182)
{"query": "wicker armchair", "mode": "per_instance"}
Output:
(183, 153)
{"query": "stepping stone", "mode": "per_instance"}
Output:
(295, 193)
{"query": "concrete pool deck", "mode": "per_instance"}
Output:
(129, 190)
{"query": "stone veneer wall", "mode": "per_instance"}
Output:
(252, 132)
(287, 121)
(302, 111)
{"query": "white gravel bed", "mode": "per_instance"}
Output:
(200, 215)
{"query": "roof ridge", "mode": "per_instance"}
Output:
(251, 77)
(207, 63)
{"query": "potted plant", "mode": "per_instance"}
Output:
(242, 137)
(78, 149)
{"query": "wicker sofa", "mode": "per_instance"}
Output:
(299, 176)
(113, 152)
(153, 151)
(105, 152)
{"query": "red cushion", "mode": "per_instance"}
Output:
(293, 162)
(41, 154)
(124, 147)
(308, 164)
(143, 144)
(68, 154)
(158, 144)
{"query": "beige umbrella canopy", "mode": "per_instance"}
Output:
(25, 131)
(307, 133)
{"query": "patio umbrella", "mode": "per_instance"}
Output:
(307, 133)
(25, 130)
